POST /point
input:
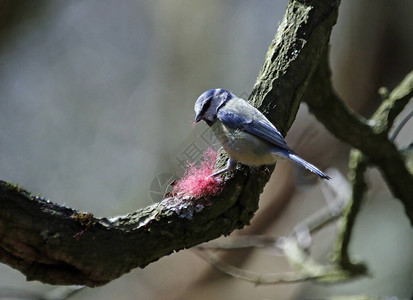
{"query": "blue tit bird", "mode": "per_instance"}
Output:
(245, 133)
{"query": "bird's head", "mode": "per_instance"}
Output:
(208, 104)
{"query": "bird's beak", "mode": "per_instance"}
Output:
(198, 118)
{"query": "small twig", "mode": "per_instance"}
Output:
(241, 242)
(294, 247)
(358, 166)
(399, 127)
(307, 268)
(256, 278)
(336, 193)
(388, 111)
(64, 292)
(337, 189)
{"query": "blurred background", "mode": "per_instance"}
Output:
(96, 112)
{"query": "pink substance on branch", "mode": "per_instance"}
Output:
(196, 181)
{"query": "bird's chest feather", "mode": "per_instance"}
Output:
(242, 146)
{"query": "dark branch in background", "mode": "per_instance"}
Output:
(369, 136)
(372, 146)
(59, 245)
(385, 115)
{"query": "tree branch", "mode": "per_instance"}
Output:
(59, 245)
(369, 136)
(295, 247)
(358, 166)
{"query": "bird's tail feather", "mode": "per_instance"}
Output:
(299, 161)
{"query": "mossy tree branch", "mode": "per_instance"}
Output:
(372, 146)
(58, 245)
(358, 166)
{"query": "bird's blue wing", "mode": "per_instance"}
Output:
(251, 121)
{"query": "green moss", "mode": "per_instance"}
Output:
(86, 219)
(14, 187)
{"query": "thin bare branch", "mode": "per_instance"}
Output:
(295, 251)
